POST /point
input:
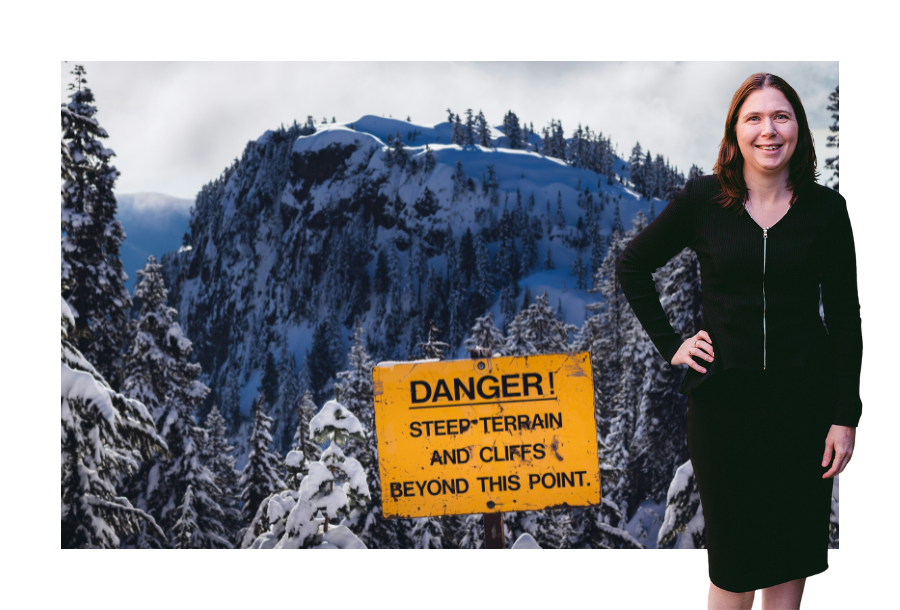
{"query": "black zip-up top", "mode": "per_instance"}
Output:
(760, 287)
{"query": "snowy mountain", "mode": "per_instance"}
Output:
(154, 224)
(282, 238)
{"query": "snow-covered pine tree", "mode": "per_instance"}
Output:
(92, 237)
(683, 526)
(268, 384)
(459, 181)
(512, 130)
(695, 172)
(493, 186)
(429, 160)
(546, 333)
(288, 397)
(648, 173)
(433, 348)
(260, 477)
(459, 132)
(580, 273)
(518, 342)
(159, 374)
(398, 152)
(485, 334)
(184, 529)
(218, 457)
(484, 282)
(560, 217)
(104, 435)
(320, 491)
(483, 131)
(471, 535)
(635, 168)
(302, 442)
(833, 141)
(354, 391)
(470, 128)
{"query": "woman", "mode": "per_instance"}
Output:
(769, 386)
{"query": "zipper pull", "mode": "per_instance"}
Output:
(765, 232)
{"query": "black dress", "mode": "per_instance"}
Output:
(758, 418)
(756, 440)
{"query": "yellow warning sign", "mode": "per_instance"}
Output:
(489, 435)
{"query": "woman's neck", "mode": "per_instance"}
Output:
(768, 190)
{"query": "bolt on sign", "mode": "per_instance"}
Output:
(488, 435)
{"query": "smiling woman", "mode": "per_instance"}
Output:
(781, 386)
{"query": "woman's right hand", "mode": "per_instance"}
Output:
(699, 345)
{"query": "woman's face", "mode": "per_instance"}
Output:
(766, 131)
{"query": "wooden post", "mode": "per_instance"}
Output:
(493, 522)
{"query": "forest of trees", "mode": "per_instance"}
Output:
(153, 425)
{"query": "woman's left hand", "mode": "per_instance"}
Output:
(841, 440)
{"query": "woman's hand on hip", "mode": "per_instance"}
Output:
(840, 440)
(699, 345)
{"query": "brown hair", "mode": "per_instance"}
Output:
(729, 166)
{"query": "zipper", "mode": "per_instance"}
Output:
(765, 239)
(765, 231)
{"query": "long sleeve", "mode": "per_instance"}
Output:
(840, 300)
(668, 234)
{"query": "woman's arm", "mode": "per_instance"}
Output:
(840, 300)
(653, 247)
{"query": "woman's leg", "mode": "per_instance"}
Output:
(785, 596)
(720, 599)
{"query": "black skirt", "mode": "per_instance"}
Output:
(756, 440)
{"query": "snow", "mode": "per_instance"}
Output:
(334, 415)
(340, 537)
(388, 363)
(66, 312)
(526, 541)
(294, 459)
(79, 385)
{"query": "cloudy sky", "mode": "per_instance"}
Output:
(176, 125)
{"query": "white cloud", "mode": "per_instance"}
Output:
(175, 126)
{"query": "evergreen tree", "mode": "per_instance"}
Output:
(485, 334)
(433, 348)
(470, 128)
(218, 458)
(695, 172)
(260, 477)
(833, 141)
(92, 237)
(320, 491)
(399, 152)
(635, 168)
(288, 397)
(648, 172)
(158, 373)
(429, 160)
(183, 531)
(104, 435)
(560, 217)
(483, 131)
(527, 299)
(512, 130)
(302, 442)
(459, 180)
(683, 526)
(355, 392)
(268, 385)
(580, 273)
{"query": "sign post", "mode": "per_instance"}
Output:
(486, 435)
